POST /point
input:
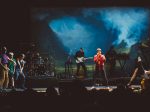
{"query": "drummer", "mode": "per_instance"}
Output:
(38, 59)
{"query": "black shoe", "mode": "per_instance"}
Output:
(13, 89)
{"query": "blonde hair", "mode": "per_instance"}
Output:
(11, 53)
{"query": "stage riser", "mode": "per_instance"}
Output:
(41, 83)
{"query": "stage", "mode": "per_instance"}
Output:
(41, 83)
(135, 88)
(46, 81)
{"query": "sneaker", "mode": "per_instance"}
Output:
(92, 88)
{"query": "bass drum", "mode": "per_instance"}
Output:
(40, 70)
(39, 61)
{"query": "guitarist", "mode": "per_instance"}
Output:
(79, 56)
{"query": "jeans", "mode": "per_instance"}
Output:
(20, 75)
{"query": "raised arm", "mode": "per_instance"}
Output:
(147, 72)
(12, 60)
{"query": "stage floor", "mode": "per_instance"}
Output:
(44, 82)
(41, 83)
(110, 88)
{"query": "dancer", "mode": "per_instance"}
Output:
(68, 65)
(19, 70)
(12, 67)
(4, 79)
(139, 69)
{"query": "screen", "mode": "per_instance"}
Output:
(61, 32)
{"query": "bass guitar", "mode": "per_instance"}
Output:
(82, 59)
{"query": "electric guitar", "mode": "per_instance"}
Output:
(82, 59)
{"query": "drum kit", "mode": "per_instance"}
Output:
(39, 66)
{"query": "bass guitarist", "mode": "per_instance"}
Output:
(79, 56)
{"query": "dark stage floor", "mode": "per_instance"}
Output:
(41, 83)
(46, 81)
(98, 87)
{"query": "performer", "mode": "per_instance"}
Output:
(12, 67)
(68, 64)
(145, 49)
(99, 60)
(4, 59)
(138, 70)
(111, 59)
(79, 56)
(19, 70)
(145, 79)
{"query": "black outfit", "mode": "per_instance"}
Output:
(68, 66)
(139, 65)
(111, 59)
(78, 55)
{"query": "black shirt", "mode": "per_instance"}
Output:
(79, 54)
(139, 65)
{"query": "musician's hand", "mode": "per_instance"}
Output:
(146, 72)
(15, 64)
(7, 69)
(21, 71)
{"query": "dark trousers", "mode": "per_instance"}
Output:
(84, 68)
(68, 67)
(99, 73)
